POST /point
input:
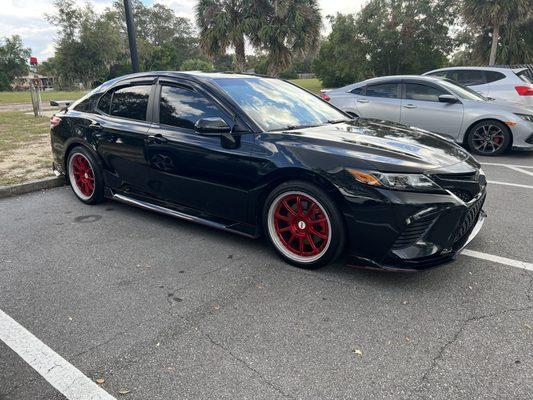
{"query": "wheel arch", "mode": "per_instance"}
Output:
(280, 176)
(70, 145)
(468, 130)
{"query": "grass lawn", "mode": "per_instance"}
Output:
(24, 97)
(25, 152)
(313, 85)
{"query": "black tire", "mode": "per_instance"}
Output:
(489, 138)
(81, 183)
(320, 223)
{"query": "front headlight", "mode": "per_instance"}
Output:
(417, 182)
(525, 117)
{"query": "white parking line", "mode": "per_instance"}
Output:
(498, 259)
(510, 184)
(518, 169)
(62, 375)
(506, 165)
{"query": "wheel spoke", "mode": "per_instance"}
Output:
(321, 235)
(289, 208)
(311, 242)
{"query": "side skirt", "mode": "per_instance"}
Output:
(176, 214)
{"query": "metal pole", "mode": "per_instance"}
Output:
(131, 36)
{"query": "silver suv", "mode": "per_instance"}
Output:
(441, 106)
(497, 83)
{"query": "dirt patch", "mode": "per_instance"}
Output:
(28, 162)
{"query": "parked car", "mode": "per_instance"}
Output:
(254, 155)
(441, 106)
(498, 83)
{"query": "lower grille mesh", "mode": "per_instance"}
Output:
(413, 232)
(469, 219)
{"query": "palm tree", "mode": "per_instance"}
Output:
(284, 29)
(223, 23)
(494, 14)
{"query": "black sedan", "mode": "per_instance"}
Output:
(256, 155)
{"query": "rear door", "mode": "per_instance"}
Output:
(380, 101)
(421, 108)
(120, 130)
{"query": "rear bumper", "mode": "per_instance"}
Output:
(419, 235)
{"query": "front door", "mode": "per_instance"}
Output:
(421, 108)
(206, 173)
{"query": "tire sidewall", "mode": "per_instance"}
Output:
(98, 193)
(501, 150)
(336, 244)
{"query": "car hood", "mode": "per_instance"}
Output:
(386, 146)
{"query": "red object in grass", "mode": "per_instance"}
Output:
(54, 121)
(524, 90)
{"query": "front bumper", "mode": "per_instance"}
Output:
(423, 231)
(522, 136)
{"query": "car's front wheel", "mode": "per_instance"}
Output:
(303, 224)
(489, 138)
(85, 176)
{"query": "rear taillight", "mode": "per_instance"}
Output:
(54, 121)
(324, 96)
(524, 90)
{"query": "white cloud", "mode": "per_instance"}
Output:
(26, 18)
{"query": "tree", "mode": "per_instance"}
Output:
(341, 59)
(284, 29)
(496, 14)
(387, 37)
(13, 60)
(196, 65)
(224, 23)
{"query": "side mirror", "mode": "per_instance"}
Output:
(213, 126)
(448, 98)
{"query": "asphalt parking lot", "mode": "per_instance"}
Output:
(156, 308)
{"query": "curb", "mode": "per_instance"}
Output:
(32, 186)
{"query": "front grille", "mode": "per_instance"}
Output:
(413, 232)
(464, 195)
(469, 220)
(465, 186)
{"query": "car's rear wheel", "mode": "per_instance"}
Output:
(85, 176)
(303, 224)
(489, 138)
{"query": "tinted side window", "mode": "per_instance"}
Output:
(130, 102)
(493, 76)
(358, 90)
(439, 74)
(387, 90)
(88, 104)
(104, 104)
(468, 77)
(182, 107)
(414, 91)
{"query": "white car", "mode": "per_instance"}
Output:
(497, 83)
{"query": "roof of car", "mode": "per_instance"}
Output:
(396, 77)
(498, 69)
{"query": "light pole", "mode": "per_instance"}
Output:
(131, 36)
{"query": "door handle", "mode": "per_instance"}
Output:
(96, 126)
(157, 138)
(362, 101)
(409, 106)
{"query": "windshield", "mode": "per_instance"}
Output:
(274, 104)
(464, 92)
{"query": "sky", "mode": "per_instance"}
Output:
(26, 18)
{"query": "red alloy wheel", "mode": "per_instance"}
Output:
(83, 174)
(301, 225)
